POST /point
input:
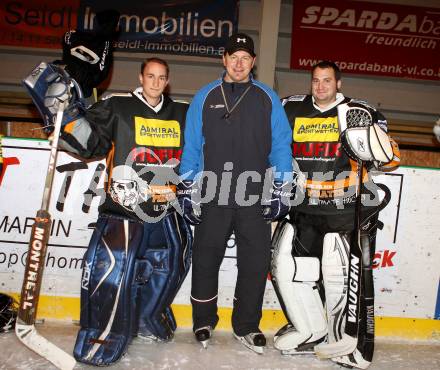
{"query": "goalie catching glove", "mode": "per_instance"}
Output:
(361, 136)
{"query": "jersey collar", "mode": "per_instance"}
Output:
(339, 98)
(157, 108)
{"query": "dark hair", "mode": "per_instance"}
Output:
(328, 64)
(155, 60)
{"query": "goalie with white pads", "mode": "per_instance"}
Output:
(322, 259)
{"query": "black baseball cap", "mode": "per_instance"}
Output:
(240, 41)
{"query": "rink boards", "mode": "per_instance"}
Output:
(406, 262)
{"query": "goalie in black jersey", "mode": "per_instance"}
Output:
(322, 260)
(140, 251)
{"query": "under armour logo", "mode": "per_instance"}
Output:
(241, 40)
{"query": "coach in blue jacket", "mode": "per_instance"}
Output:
(236, 130)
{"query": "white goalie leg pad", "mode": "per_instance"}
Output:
(295, 278)
(335, 265)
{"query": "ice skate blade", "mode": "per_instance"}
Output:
(257, 349)
(204, 343)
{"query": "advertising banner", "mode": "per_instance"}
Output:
(406, 260)
(367, 38)
(184, 27)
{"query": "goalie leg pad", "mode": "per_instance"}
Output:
(335, 266)
(169, 253)
(295, 281)
(363, 354)
(335, 273)
(335, 269)
(107, 308)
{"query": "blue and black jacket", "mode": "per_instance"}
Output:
(254, 136)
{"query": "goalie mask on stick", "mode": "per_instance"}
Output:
(361, 136)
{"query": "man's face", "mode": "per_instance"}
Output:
(238, 66)
(324, 86)
(153, 79)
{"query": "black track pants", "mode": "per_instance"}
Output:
(252, 235)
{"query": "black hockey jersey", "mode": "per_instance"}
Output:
(328, 175)
(143, 150)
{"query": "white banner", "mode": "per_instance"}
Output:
(406, 260)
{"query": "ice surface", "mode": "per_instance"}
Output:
(224, 352)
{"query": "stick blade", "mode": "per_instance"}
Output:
(29, 336)
(342, 347)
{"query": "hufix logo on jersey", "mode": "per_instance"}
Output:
(317, 150)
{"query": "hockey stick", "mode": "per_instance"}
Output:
(363, 354)
(33, 275)
(351, 117)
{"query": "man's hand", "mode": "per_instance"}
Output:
(279, 204)
(188, 195)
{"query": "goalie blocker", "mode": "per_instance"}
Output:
(132, 272)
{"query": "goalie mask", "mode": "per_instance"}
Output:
(361, 136)
(8, 313)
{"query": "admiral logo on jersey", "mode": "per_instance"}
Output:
(157, 133)
(160, 140)
(316, 129)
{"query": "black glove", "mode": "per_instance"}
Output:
(279, 204)
(187, 194)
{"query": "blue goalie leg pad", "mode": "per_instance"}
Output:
(107, 304)
(169, 252)
(171, 318)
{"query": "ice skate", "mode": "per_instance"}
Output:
(254, 341)
(203, 335)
